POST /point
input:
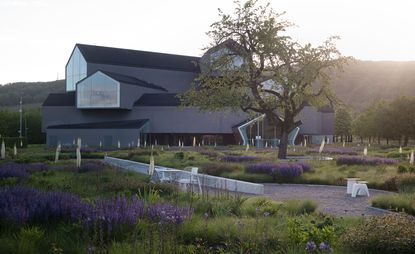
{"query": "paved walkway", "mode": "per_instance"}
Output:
(331, 199)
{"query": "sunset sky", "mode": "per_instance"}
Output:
(37, 36)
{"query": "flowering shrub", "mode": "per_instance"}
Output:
(283, 170)
(356, 160)
(315, 236)
(20, 170)
(334, 150)
(239, 158)
(23, 204)
(392, 233)
(167, 213)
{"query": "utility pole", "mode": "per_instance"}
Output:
(21, 118)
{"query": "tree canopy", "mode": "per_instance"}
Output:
(390, 120)
(253, 66)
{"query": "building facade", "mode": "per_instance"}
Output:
(125, 97)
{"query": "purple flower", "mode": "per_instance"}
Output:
(280, 170)
(357, 160)
(237, 158)
(167, 213)
(334, 150)
(23, 204)
(325, 246)
(310, 246)
(20, 170)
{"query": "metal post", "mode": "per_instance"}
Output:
(21, 118)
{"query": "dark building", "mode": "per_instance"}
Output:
(120, 96)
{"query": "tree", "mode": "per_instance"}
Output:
(390, 120)
(402, 116)
(343, 123)
(263, 71)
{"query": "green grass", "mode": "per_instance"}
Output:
(232, 224)
(324, 172)
(402, 202)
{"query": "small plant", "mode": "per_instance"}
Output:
(315, 236)
(402, 169)
(298, 207)
(405, 182)
(29, 240)
(179, 155)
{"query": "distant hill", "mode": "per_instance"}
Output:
(360, 84)
(33, 93)
(366, 81)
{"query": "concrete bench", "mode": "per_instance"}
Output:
(360, 189)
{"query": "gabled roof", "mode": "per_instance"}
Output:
(158, 99)
(127, 80)
(127, 124)
(138, 58)
(60, 99)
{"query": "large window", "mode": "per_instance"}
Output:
(230, 58)
(98, 91)
(75, 70)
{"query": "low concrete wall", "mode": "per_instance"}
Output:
(205, 180)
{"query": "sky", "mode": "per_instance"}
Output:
(37, 36)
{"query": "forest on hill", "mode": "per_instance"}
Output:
(361, 83)
(364, 82)
(31, 92)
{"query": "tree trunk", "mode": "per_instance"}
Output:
(387, 141)
(378, 139)
(282, 151)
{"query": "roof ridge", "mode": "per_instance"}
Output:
(135, 50)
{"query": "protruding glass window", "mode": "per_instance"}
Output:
(75, 70)
(233, 60)
(272, 85)
(98, 91)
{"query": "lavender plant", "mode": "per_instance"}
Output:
(334, 150)
(239, 158)
(279, 170)
(20, 170)
(357, 160)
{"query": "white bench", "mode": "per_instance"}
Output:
(191, 178)
(360, 188)
(350, 182)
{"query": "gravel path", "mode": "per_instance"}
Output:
(331, 199)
